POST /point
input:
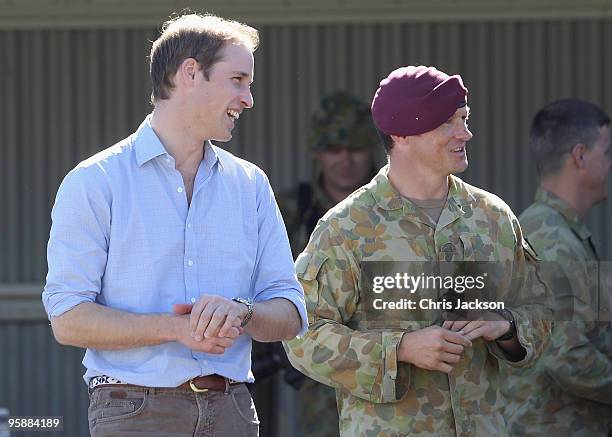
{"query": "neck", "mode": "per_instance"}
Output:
(568, 190)
(178, 138)
(416, 183)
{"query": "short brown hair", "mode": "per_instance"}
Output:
(201, 37)
(558, 127)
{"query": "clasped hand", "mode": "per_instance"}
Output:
(441, 348)
(493, 327)
(211, 324)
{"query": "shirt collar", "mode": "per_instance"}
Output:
(148, 146)
(146, 143)
(387, 197)
(385, 194)
(212, 155)
(558, 204)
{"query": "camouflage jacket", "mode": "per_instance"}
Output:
(377, 395)
(569, 390)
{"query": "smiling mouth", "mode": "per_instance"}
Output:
(234, 115)
(459, 149)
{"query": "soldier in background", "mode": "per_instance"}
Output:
(416, 377)
(342, 141)
(569, 391)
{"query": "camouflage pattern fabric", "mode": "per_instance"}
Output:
(377, 395)
(318, 411)
(569, 390)
(342, 121)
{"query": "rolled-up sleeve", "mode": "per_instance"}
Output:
(364, 363)
(78, 242)
(274, 275)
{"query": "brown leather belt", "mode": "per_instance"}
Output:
(199, 384)
(208, 382)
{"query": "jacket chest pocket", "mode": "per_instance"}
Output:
(476, 247)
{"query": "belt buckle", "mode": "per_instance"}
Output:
(196, 389)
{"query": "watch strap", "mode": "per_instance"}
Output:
(249, 314)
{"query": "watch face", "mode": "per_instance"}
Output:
(241, 300)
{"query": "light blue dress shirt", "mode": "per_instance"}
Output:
(124, 236)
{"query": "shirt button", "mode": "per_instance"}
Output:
(189, 263)
(179, 189)
(189, 225)
(205, 362)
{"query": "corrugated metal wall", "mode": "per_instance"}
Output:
(38, 377)
(67, 94)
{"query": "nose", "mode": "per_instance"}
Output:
(345, 153)
(464, 133)
(247, 99)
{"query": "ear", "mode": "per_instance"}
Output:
(399, 140)
(186, 73)
(577, 155)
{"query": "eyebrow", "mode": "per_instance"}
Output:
(241, 74)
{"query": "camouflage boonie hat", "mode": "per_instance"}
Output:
(343, 121)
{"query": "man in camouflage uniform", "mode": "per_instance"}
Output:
(416, 377)
(569, 390)
(342, 141)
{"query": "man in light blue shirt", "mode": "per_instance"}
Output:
(167, 255)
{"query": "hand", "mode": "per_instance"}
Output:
(213, 345)
(473, 329)
(433, 348)
(214, 316)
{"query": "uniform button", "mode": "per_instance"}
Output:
(179, 189)
(189, 263)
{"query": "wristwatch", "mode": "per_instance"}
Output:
(510, 318)
(249, 314)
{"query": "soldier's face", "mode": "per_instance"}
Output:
(597, 165)
(443, 150)
(343, 168)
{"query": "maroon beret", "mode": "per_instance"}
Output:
(414, 100)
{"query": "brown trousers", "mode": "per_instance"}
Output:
(118, 411)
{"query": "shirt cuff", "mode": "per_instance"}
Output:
(57, 303)
(299, 304)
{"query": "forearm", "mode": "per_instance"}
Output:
(90, 325)
(362, 363)
(274, 320)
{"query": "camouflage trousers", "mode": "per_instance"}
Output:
(318, 410)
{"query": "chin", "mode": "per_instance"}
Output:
(223, 138)
(460, 168)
